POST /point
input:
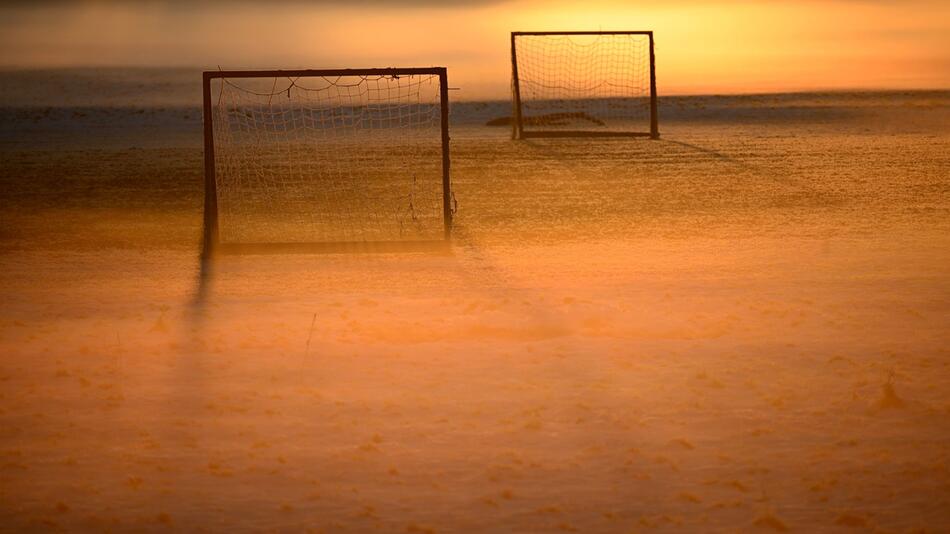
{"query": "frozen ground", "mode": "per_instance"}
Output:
(741, 326)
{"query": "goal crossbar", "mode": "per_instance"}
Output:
(633, 32)
(519, 116)
(212, 241)
(212, 74)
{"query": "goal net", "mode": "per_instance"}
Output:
(583, 83)
(311, 159)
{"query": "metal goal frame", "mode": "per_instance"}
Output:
(518, 130)
(212, 243)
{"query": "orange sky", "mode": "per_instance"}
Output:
(735, 46)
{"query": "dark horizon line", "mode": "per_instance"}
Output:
(198, 70)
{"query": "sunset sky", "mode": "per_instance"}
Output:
(734, 46)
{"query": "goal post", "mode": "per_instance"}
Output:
(326, 160)
(580, 84)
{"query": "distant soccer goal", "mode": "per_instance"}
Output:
(326, 160)
(567, 84)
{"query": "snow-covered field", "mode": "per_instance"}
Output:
(744, 325)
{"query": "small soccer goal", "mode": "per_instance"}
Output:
(569, 84)
(326, 160)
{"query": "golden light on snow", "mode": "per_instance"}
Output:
(739, 326)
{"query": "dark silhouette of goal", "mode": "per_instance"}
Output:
(569, 84)
(326, 160)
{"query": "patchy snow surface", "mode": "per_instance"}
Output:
(741, 326)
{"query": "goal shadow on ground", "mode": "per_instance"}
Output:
(760, 171)
(710, 152)
(549, 148)
(210, 256)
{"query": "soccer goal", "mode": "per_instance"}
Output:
(326, 160)
(567, 84)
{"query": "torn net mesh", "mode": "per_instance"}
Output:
(584, 82)
(328, 159)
